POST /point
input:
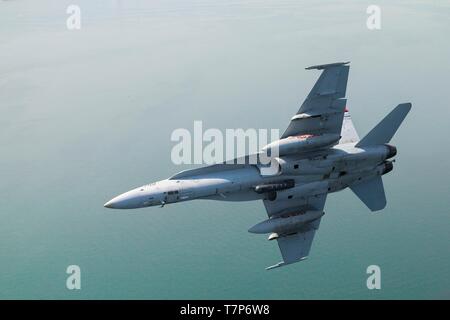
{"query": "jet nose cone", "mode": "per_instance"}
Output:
(109, 204)
(127, 200)
(116, 203)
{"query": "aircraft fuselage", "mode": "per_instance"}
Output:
(297, 176)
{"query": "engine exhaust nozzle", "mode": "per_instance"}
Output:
(388, 166)
(392, 151)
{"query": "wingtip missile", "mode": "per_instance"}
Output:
(279, 264)
(282, 263)
(329, 65)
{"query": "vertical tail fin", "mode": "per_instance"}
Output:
(371, 192)
(384, 131)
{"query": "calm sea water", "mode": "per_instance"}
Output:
(88, 114)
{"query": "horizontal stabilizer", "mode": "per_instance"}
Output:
(385, 130)
(371, 193)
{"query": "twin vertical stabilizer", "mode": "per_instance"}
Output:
(371, 192)
(384, 131)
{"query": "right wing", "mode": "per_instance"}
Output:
(323, 110)
(295, 247)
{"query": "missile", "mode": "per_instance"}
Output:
(285, 184)
(301, 143)
(285, 224)
(328, 65)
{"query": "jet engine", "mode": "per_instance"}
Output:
(291, 166)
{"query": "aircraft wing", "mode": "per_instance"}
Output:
(323, 109)
(296, 247)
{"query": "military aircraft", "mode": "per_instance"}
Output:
(319, 153)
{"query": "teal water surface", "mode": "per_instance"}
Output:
(88, 114)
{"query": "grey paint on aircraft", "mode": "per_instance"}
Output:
(315, 160)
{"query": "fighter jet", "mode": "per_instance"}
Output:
(319, 153)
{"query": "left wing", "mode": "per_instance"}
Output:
(296, 245)
(323, 109)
